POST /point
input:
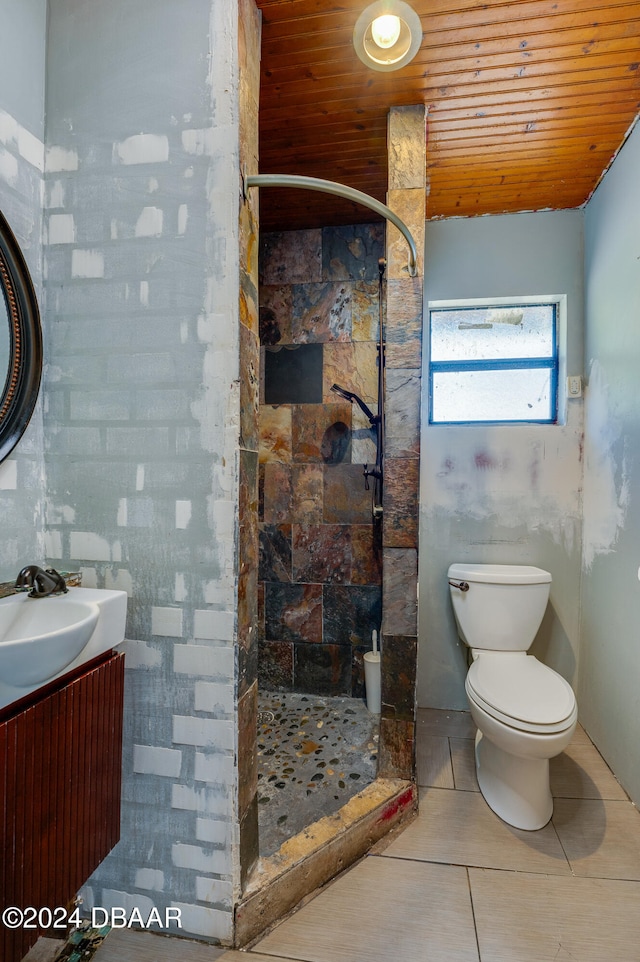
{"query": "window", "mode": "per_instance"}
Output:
(494, 361)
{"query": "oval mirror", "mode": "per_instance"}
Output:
(20, 342)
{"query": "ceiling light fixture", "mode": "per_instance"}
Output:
(387, 35)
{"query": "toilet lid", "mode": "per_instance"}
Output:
(519, 687)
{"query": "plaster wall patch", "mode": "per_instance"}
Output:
(60, 159)
(148, 878)
(141, 655)
(149, 223)
(214, 890)
(87, 263)
(8, 476)
(93, 547)
(8, 167)
(21, 140)
(62, 229)
(532, 479)
(56, 194)
(142, 149)
(606, 490)
(183, 216)
(207, 923)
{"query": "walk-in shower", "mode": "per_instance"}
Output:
(321, 313)
(321, 443)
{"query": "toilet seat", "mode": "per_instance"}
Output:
(519, 691)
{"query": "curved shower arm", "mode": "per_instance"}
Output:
(340, 190)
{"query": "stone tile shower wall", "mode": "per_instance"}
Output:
(320, 555)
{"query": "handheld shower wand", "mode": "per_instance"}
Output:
(351, 397)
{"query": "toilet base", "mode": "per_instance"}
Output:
(515, 788)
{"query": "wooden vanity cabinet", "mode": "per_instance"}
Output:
(60, 781)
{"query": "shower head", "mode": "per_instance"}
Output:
(351, 397)
(347, 395)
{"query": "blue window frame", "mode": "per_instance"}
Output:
(494, 362)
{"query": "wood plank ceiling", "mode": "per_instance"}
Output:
(528, 102)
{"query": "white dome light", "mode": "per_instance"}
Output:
(387, 35)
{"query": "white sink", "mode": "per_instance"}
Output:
(44, 638)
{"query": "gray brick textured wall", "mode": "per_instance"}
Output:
(141, 221)
(21, 183)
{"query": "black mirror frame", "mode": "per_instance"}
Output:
(25, 362)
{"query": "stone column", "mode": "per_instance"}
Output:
(247, 690)
(403, 336)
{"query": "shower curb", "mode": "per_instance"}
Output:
(317, 854)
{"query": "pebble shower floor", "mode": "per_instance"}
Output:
(314, 753)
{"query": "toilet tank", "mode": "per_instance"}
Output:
(503, 606)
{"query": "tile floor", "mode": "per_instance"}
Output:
(459, 885)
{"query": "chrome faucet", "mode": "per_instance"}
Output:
(42, 582)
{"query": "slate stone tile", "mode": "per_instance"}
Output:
(291, 257)
(263, 352)
(261, 468)
(403, 328)
(248, 493)
(321, 312)
(275, 432)
(401, 488)
(249, 850)
(363, 437)
(275, 552)
(398, 675)
(247, 665)
(306, 483)
(275, 667)
(321, 553)
(249, 389)
(351, 613)
(276, 308)
(400, 603)
(293, 612)
(260, 626)
(366, 554)
(277, 492)
(247, 604)
(402, 413)
(248, 242)
(358, 689)
(365, 311)
(353, 366)
(322, 669)
(397, 748)
(406, 139)
(352, 252)
(247, 759)
(293, 374)
(346, 500)
(321, 432)
(409, 206)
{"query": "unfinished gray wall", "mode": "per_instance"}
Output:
(506, 494)
(610, 656)
(22, 86)
(143, 413)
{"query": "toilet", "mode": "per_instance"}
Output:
(525, 712)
